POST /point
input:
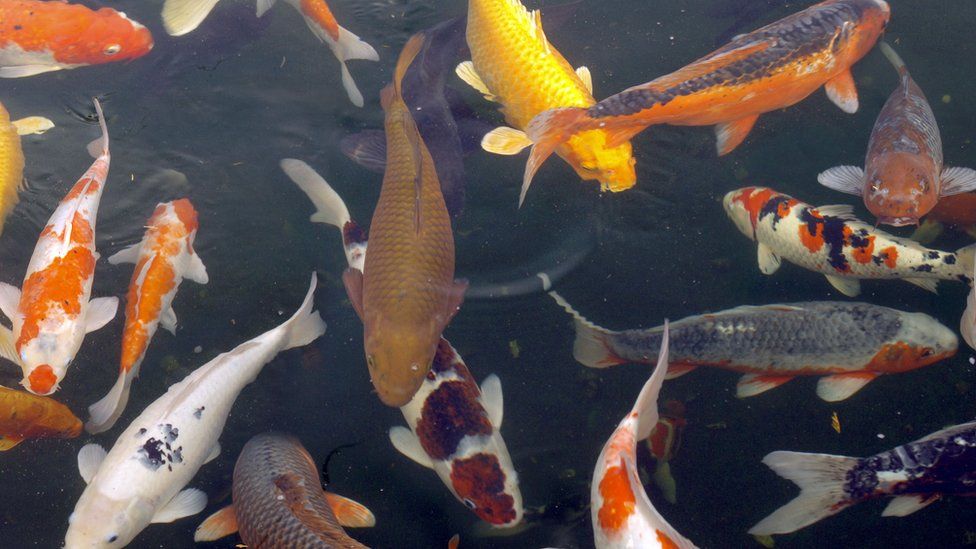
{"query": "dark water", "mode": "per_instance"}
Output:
(225, 104)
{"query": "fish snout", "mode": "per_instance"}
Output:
(42, 380)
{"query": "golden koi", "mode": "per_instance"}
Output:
(25, 416)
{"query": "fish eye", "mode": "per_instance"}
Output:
(468, 503)
(112, 49)
(112, 538)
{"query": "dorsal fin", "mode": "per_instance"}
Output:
(407, 56)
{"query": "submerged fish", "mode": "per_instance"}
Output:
(51, 313)
(38, 37)
(139, 481)
(11, 166)
(278, 502)
(903, 177)
(514, 64)
(762, 71)
(623, 516)
(916, 474)
(162, 258)
(831, 241)
(183, 16)
(24, 416)
(406, 293)
(850, 344)
(663, 444)
(454, 424)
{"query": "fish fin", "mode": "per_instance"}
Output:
(32, 125)
(366, 148)
(101, 311)
(505, 140)
(408, 444)
(306, 325)
(291, 488)
(129, 254)
(330, 208)
(927, 284)
(491, 398)
(730, 135)
(842, 91)
(9, 300)
(547, 131)
(353, 280)
(455, 298)
(846, 179)
(850, 287)
(967, 324)
(769, 262)
(927, 232)
(958, 180)
(590, 347)
(903, 506)
(9, 441)
(665, 481)
(214, 453)
(90, 458)
(168, 320)
(104, 413)
(678, 369)
(348, 84)
(840, 211)
(184, 504)
(893, 58)
(350, 513)
(646, 404)
(263, 7)
(821, 478)
(196, 270)
(220, 524)
(22, 71)
(8, 348)
(754, 384)
(841, 386)
(99, 147)
(183, 16)
(351, 47)
(584, 75)
(467, 73)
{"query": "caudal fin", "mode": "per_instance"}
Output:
(821, 479)
(547, 131)
(99, 147)
(306, 325)
(590, 347)
(104, 413)
(183, 16)
(893, 57)
(646, 405)
(347, 46)
(329, 205)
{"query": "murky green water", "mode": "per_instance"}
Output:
(225, 104)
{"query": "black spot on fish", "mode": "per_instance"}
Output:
(831, 229)
(151, 454)
(772, 207)
(170, 433)
(933, 254)
(923, 268)
(141, 432)
(199, 412)
(949, 259)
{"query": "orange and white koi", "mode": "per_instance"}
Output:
(765, 70)
(903, 176)
(183, 16)
(470, 456)
(623, 516)
(38, 37)
(163, 257)
(513, 63)
(51, 313)
(831, 241)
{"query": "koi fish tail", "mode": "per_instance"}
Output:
(99, 147)
(306, 325)
(646, 404)
(349, 47)
(183, 16)
(590, 348)
(965, 257)
(967, 325)
(893, 57)
(821, 479)
(104, 413)
(330, 208)
(547, 131)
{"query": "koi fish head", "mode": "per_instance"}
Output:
(744, 205)
(489, 489)
(398, 360)
(921, 341)
(901, 188)
(590, 156)
(105, 37)
(46, 358)
(101, 522)
(862, 28)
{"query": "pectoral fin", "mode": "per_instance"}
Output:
(220, 524)
(505, 140)
(491, 398)
(754, 384)
(349, 513)
(188, 502)
(958, 180)
(846, 179)
(90, 458)
(101, 311)
(9, 300)
(22, 71)
(841, 386)
(678, 369)
(9, 441)
(196, 270)
(8, 348)
(454, 300)
(126, 255)
(905, 505)
(731, 134)
(927, 284)
(168, 320)
(850, 287)
(466, 72)
(843, 92)
(353, 280)
(584, 74)
(769, 262)
(33, 125)
(409, 445)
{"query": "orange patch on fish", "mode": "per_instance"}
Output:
(890, 256)
(480, 479)
(42, 379)
(864, 253)
(618, 498)
(902, 357)
(318, 11)
(812, 241)
(665, 541)
(753, 202)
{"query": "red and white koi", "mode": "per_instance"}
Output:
(38, 37)
(471, 456)
(183, 16)
(162, 258)
(51, 313)
(623, 516)
(831, 241)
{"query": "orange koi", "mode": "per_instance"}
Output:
(25, 416)
(162, 258)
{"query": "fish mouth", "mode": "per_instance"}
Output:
(898, 221)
